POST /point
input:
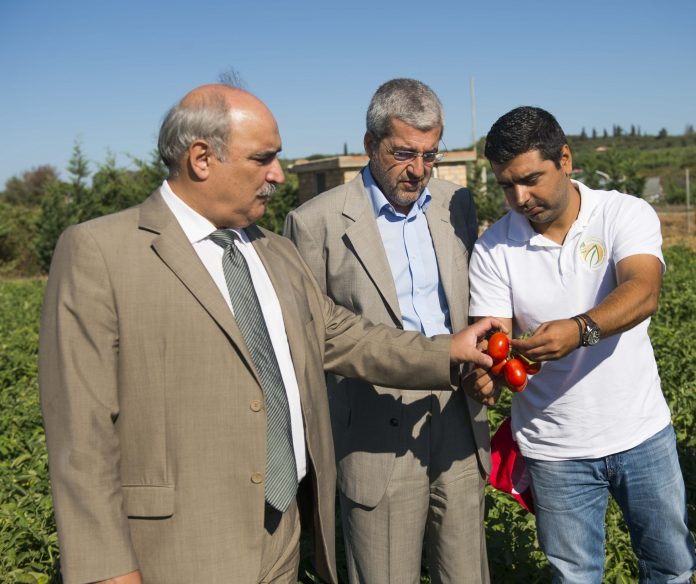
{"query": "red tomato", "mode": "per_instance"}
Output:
(530, 366)
(515, 375)
(497, 368)
(498, 346)
(518, 388)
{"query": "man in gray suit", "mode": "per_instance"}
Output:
(393, 245)
(182, 356)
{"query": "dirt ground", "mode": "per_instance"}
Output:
(675, 227)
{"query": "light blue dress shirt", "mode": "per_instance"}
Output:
(412, 260)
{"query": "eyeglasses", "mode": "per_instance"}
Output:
(408, 155)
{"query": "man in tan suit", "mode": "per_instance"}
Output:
(393, 245)
(156, 397)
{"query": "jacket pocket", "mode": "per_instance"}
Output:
(148, 500)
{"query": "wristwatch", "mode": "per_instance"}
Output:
(589, 331)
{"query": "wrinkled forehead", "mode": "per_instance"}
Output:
(402, 133)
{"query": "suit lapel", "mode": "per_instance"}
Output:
(366, 241)
(444, 241)
(175, 250)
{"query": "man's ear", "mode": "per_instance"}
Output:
(566, 160)
(199, 158)
(370, 143)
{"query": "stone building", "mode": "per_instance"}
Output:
(317, 176)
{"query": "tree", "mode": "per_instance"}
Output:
(28, 188)
(55, 216)
(583, 134)
(594, 133)
(488, 196)
(605, 134)
(612, 170)
(662, 134)
(689, 130)
(17, 252)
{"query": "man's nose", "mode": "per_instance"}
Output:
(275, 173)
(520, 195)
(416, 166)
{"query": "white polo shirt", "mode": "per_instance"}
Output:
(597, 400)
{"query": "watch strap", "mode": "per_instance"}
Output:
(590, 326)
(581, 328)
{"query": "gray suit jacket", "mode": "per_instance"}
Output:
(154, 412)
(338, 237)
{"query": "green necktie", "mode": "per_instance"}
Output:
(281, 470)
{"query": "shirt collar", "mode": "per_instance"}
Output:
(194, 225)
(519, 228)
(380, 204)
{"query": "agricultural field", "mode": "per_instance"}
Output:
(28, 544)
(678, 227)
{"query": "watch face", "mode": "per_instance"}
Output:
(592, 336)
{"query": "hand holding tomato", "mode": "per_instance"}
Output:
(515, 367)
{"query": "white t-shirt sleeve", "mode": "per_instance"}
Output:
(638, 232)
(489, 284)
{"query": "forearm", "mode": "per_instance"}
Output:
(628, 305)
(634, 299)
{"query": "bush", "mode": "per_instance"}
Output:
(17, 250)
(27, 531)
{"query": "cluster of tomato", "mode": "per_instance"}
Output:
(514, 366)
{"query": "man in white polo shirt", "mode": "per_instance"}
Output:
(582, 270)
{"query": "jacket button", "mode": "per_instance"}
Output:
(256, 405)
(256, 478)
(394, 422)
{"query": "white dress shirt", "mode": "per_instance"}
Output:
(197, 229)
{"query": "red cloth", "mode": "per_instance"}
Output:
(508, 472)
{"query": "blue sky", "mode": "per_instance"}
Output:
(106, 72)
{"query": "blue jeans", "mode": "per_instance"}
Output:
(571, 499)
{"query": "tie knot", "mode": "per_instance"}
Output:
(224, 237)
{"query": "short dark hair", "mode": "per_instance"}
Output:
(524, 129)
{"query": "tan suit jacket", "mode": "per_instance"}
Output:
(153, 410)
(337, 235)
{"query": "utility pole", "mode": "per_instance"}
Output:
(473, 111)
(688, 204)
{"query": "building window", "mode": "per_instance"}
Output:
(319, 182)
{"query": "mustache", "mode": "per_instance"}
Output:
(267, 191)
(530, 205)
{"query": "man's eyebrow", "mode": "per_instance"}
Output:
(408, 149)
(267, 153)
(523, 179)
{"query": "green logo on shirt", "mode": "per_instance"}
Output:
(592, 253)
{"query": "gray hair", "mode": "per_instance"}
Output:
(208, 120)
(408, 100)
